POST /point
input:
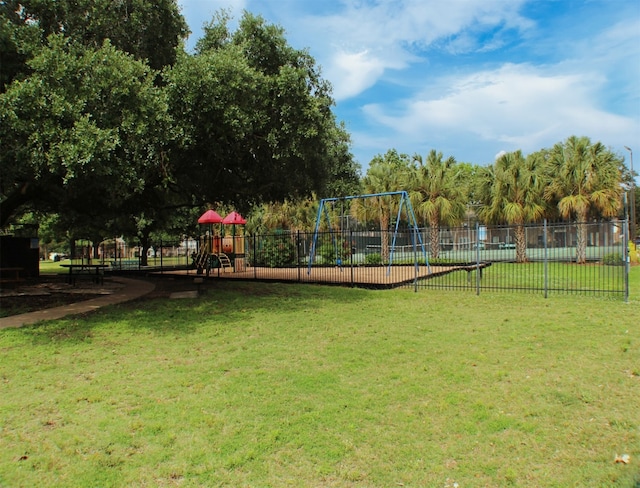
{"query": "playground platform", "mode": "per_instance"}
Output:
(361, 276)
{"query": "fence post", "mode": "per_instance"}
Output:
(298, 254)
(625, 254)
(416, 265)
(546, 260)
(477, 258)
(255, 258)
(351, 247)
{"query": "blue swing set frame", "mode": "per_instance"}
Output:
(413, 225)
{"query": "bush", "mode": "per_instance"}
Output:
(327, 251)
(634, 252)
(375, 258)
(275, 252)
(613, 259)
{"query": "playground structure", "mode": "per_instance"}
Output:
(405, 204)
(226, 253)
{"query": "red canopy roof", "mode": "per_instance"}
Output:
(234, 218)
(210, 217)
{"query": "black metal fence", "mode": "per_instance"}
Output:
(590, 258)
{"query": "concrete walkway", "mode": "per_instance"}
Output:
(133, 289)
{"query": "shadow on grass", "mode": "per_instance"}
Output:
(234, 303)
(222, 304)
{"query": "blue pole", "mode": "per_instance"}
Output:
(314, 242)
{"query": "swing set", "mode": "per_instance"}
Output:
(404, 202)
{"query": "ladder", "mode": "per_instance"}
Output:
(225, 262)
(202, 260)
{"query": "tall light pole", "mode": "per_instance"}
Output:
(632, 195)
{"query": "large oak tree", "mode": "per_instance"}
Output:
(82, 133)
(149, 30)
(257, 119)
(93, 132)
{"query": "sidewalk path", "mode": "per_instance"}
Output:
(132, 290)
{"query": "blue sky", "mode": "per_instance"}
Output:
(469, 78)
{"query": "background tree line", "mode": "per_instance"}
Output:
(575, 180)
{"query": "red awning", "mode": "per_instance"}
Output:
(210, 217)
(234, 218)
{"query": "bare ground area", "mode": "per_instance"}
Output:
(46, 292)
(53, 291)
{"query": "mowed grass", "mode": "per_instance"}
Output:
(262, 385)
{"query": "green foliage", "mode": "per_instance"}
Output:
(257, 118)
(149, 31)
(83, 133)
(331, 251)
(96, 136)
(373, 259)
(613, 259)
(634, 253)
(275, 251)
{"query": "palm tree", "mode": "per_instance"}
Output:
(437, 194)
(512, 191)
(304, 215)
(584, 179)
(291, 215)
(385, 174)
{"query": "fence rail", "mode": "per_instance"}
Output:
(590, 258)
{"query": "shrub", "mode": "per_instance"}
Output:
(275, 252)
(375, 258)
(327, 251)
(613, 259)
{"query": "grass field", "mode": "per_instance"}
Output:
(263, 385)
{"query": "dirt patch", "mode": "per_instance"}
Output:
(47, 292)
(15, 305)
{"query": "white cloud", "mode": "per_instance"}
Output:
(500, 154)
(388, 35)
(516, 106)
(352, 73)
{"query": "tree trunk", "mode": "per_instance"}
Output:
(521, 244)
(434, 238)
(95, 251)
(581, 239)
(144, 248)
(72, 248)
(384, 237)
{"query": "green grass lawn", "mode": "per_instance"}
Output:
(263, 385)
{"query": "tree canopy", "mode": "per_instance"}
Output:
(257, 119)
(148, 30)
(84, 131)
(90, 128)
